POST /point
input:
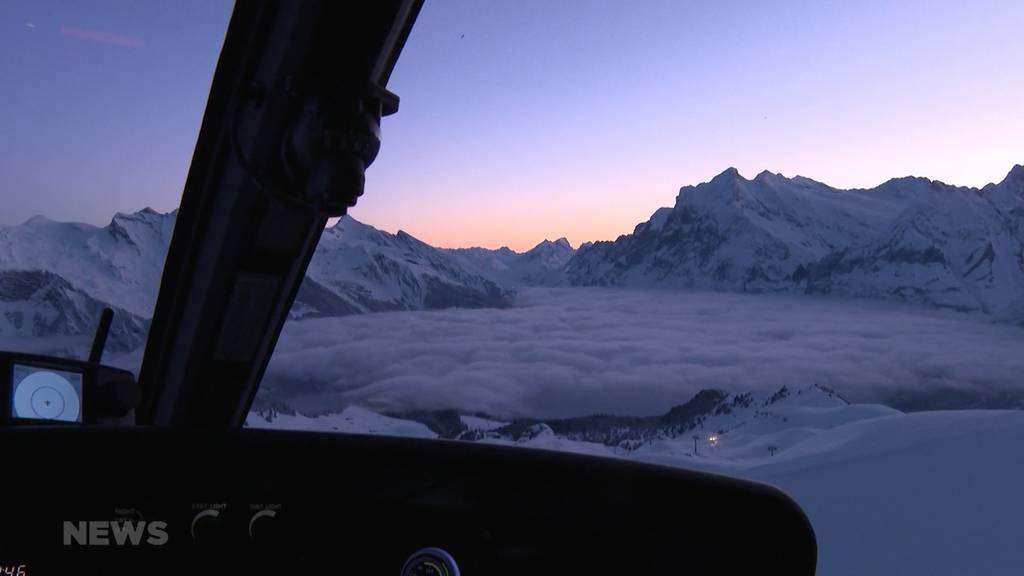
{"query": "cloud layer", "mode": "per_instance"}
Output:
(576, 351)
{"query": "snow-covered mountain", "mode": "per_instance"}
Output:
(358, 268)
(118, 263)
(56, 277)
(908, 239)
(542, 265)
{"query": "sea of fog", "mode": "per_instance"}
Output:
(573, 351)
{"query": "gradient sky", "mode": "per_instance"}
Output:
(531, 119)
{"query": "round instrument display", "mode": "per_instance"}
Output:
(430, 562)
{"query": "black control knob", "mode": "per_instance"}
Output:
(430, 562)
(263, 526)
(207, 527)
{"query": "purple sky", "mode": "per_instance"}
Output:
(534, 119)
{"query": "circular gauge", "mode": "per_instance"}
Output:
(430, 562)
(47, 396)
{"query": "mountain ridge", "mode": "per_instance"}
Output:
(56, 277)
(909, 238)
(543, 264)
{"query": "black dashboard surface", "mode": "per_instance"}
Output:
(351, 504)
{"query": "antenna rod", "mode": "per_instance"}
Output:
(99, 341)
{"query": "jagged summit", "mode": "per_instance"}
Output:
(768, 176)
(146, 213)
(728, 175)
(562, 243)
(1015, 175)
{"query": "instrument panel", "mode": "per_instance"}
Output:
(157, 501)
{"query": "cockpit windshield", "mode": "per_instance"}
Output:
(782, 241)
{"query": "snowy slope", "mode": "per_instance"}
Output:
(730, 428)
(909, 239)
(43, 306)
(752, 421)
(353, 420)
(542, 265)
(928, 493)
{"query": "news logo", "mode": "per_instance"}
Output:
(115, 533)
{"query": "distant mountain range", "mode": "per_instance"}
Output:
(910, 239)
(544, 264)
